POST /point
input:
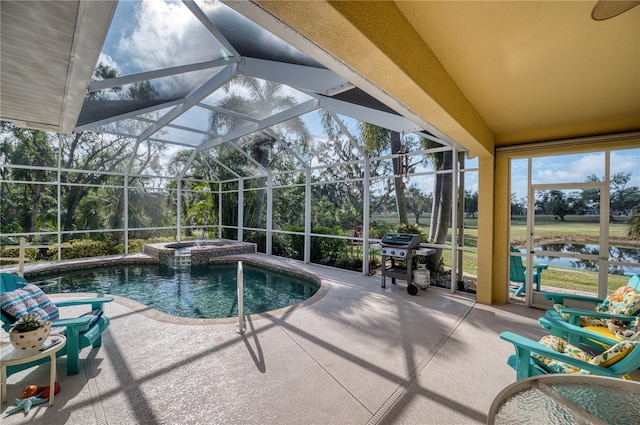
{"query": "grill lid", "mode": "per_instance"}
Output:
(402, 240)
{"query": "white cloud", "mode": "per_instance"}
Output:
(567, 168)
(109, 61)
(574, 168)
(553, 176)
(166, 35)
(626, 161)
(159, 38)
(425, 183)
(586, 165)
(471, 182)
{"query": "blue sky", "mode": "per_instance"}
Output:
(574, 168)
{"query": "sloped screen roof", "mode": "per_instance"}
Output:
(167, 68)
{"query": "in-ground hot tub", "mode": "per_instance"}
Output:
(196, 252)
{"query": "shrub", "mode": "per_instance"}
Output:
(634, 223)
(349, 262)
(258, 238)
(323, 250)
(86, 248)
(377, 229)
(135, 245)
(14, 252)
(354, 262)
(413, 229)
(281, 245)
(296, 244)
(327, 250)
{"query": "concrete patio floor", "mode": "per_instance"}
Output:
(359, 354)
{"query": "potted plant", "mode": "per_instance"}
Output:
(29, 332)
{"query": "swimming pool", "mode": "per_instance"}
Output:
(195, 292)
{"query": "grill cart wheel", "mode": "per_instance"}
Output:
(412, 289)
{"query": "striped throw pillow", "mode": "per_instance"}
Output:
(28, 299)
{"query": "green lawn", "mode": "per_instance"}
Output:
(584, 228)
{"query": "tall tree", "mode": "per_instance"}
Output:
(442, 203)
(30, 210)
(340, 189)
(471, 203)
(558, 203)
(634, 223)
(97, 153)
(591, 197)
(418, 202)
(102, 154)
(623, 197)
(199, 200)
(376, 139)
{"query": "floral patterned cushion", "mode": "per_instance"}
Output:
(606, 359)
(584, 321)
(625, 300)
(629, 305)
(618, 294)
(561, 346)
(614, 354)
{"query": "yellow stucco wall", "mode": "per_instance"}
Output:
(500, 235)
(486, 244)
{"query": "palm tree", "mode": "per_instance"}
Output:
(198, 209)
(375, 139)
(634, 223)
(442, 201)
(265, 98)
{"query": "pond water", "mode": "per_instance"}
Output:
(196, 292)
(616, 253)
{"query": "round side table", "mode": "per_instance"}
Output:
(567, 400)
(10, 357)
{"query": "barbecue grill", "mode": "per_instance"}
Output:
(398, 248)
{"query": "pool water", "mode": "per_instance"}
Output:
(196, 292)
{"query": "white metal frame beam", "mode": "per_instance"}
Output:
(287, 147)
(203, 91)
(346, 131)
(362, 113)
(152, 75)
(263, 171)
(127, 115)
(287, 114)
(253, 10)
